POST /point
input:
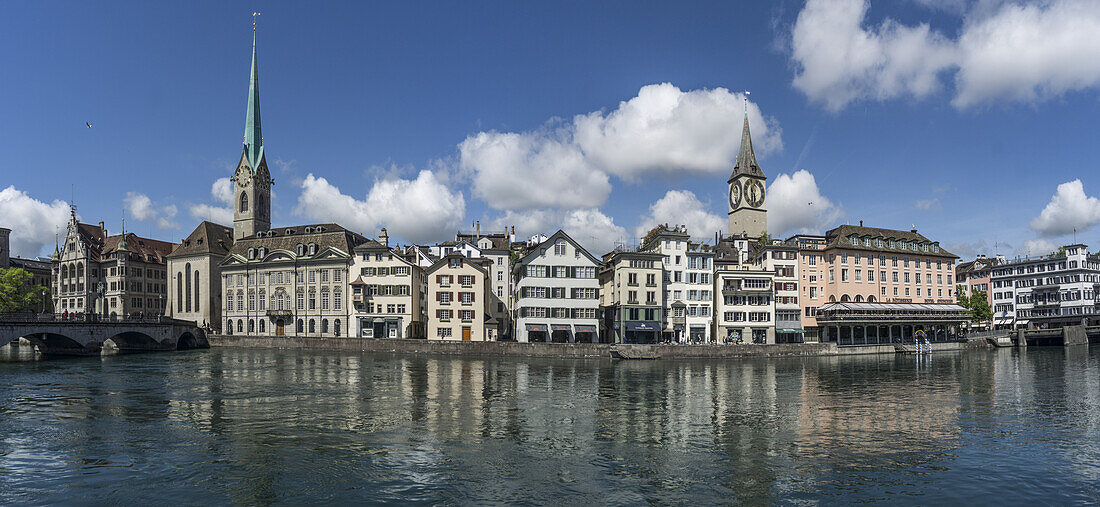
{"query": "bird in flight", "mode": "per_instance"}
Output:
(88, 124)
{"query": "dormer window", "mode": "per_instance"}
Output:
(866, 241)
(308, 230)
(853, 240)
(313, 248)
(456, 263)
(288, 232)
(301, 249)
(319, 229)
(251, 253)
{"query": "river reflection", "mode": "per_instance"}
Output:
(263, 426)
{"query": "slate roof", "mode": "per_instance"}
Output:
(208, 238)
(746, 158)
(288, 238)
(143, 249)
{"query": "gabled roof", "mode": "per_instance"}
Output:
(443, 262)
(208, 238)
(139, 248)
(535, 250)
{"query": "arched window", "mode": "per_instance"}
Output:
(336, 327)
(312, 326)
(251, 253)
(228, 327)
(324, 326)
(845, 298)
(300, 327)
(187, 297)
(179, 292)
(251, 325)
(859, 298)
(244, 202)
(301, 250)
(262, 327)
(870, 299)
(260, 204)
(197, 291)
(240, 326)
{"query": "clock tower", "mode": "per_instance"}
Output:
(252, 181)
(747, 211)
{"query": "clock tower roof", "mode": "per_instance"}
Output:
(253, 136)
(746, 158)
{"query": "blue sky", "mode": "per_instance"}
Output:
(599, 117)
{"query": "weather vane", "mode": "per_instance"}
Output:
(254, 14)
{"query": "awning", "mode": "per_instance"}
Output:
(643, 326)
(561, 327)
(536, 327)
(585, 329)
(789, 330)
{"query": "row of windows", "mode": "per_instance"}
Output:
(299, 326)
(382, 290)
(385, 271)
(280, 300)
(858, 259)
(559, 293)
(387, 308)
(284, 277)
(882, 277)
(561, 271)
(747, 316)
(539, 312)
(868, 241)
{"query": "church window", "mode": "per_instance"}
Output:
(244, 202)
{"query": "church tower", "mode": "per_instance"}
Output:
(747, 211)
(252, 181)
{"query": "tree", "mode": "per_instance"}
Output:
(961, 296)
(654, 232)
(17, 291)
(979, 307)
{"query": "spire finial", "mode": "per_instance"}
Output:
(254, 14)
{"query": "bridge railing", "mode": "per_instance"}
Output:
(75, 318)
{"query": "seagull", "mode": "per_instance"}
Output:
(811, 203)
(88, 124)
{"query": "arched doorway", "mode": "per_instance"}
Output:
(280, 327)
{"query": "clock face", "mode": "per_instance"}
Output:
(735, 195)
(755, 192)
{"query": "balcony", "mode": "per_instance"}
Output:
(279, 313)
(357, 299)
(632, 301)
(679, 321)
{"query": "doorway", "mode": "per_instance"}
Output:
(465, 334)
(280, 327)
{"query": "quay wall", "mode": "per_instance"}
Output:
(568, 350)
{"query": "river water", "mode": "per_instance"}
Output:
(264, 426)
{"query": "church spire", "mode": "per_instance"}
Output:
(746, 159)
(253, 138)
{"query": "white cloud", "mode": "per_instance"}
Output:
(840, 61)
(141, 207)
(221, 191)
(531, 170)
(33, 223)
(681, 207)
(418, 210)
(1037, 247)
(1026, 52)
(929, 204)
(795, 204)
(1069, 208)
(590, 227)
(1005, 50)
(661, 130)
(664, 129)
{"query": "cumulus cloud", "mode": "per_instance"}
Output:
(681, 207)
(661, 130)
(840, 61)
(1005, 50)
(141, 207)
(221, 191)
(1037, 247)
(1069, 208)
(669, 130)
(33, 223)
(590, 227)
(417, 210)
(531, 170)
(795, 205)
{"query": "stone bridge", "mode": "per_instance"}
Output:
(86, 336)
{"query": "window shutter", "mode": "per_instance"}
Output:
(437, 296)
(473, 297)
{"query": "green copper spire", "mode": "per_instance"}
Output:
(253, 138)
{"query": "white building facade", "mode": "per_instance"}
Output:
(557, 292)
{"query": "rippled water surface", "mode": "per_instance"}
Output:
(264, 426)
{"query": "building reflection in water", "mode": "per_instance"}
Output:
(266, 425)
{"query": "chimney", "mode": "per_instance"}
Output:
(861, 223)
(477, 229)
(384, 237)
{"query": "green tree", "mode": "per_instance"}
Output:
(979, 307)
(961, 297)
(17, 290)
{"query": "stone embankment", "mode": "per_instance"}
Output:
(569, 350)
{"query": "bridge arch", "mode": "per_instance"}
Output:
(188, 341)
(131, 341)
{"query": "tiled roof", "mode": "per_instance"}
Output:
(207, 238)
(839, 238)
(143, 249)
